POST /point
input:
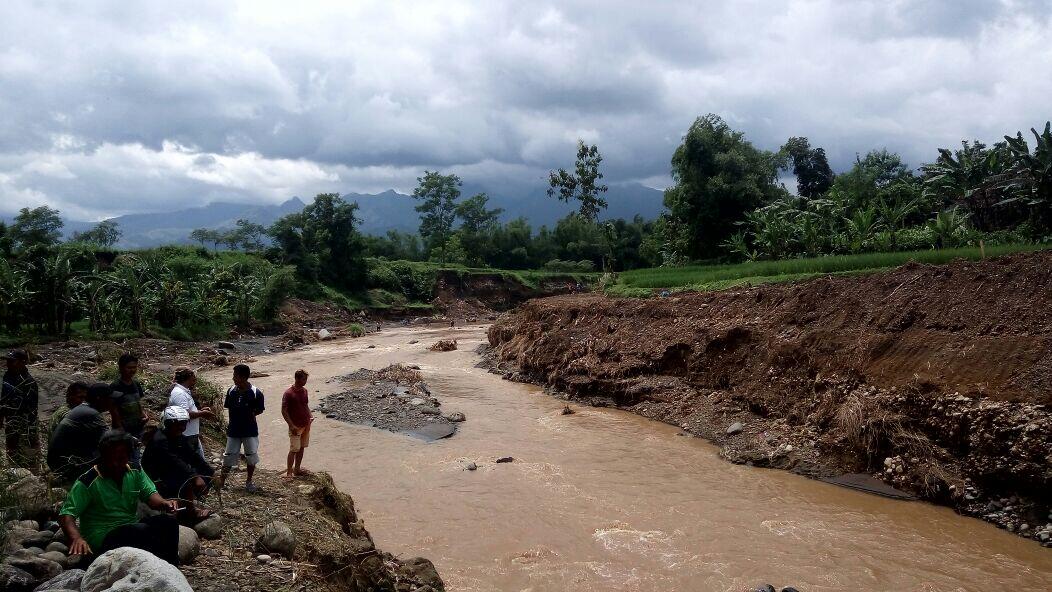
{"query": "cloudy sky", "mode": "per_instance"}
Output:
(120, 107)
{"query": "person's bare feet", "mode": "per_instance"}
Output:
(302, 472)
(288, 475)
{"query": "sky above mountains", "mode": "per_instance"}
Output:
(117, 107)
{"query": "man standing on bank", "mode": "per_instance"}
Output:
(182, 396)
(296, 410)
(243, 402)
(128, 412)
(18, 412)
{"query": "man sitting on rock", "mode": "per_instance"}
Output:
(105, 500)
(73, 446)
(76, 392)
(175, 465)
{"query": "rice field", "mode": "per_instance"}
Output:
(714, 277)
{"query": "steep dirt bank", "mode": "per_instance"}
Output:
(466, 295)
(935, 379)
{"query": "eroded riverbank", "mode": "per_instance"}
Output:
(604, 499)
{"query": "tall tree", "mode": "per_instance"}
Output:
(105, 233)
(581, 185)
(323, 241)
(207, 235)
(248, 235)
(476, 223)
(719, 176)
(1032, 175)
(35, 227)
(438, 196)
(813, 175)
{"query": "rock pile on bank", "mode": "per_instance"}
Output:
(395, 399)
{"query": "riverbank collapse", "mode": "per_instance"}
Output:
(936, 380)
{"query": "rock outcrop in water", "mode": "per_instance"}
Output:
(935, 379)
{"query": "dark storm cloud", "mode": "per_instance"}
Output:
(113, 107)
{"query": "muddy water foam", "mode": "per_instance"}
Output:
(606, 500)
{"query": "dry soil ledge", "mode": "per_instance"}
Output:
(935, 379)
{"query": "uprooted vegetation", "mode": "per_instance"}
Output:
(443, 345)
(936, 379)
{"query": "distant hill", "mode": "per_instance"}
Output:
(379, 212)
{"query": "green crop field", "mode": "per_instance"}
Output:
(641, 282)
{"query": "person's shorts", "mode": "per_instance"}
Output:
(299, 439)
(233, 450)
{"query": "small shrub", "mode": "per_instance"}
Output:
(355, 330)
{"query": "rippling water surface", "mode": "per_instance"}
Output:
(606, 500)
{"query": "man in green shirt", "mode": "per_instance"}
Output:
(76, 392)
(105, 500)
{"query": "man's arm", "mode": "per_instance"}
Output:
(156, 502)
(285, 411)
(259, 402)
(77, 544)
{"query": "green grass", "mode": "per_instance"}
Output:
(641, 282)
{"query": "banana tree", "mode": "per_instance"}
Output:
(1031, 175)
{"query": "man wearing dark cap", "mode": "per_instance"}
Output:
(18, 408)
(74, 445)
(105, 500)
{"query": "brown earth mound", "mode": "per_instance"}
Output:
(936, 379)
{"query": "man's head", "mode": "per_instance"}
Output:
(185, 377)
(17, 359)
(175, 419)
(76, 392)
(115, 448)
(99, 396)
(127, 365)
(241, 374)
(301, 377)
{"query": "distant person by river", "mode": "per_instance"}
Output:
(295, 408)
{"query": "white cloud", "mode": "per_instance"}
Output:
(112, 107)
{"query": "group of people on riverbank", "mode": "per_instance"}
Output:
(113, 466)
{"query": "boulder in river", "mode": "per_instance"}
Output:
(456, 417)
(132, 569)
(505, 459)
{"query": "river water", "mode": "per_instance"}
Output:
(606, 500)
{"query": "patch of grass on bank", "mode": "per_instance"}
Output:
(642, 282)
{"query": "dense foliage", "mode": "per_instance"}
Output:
(726, 202)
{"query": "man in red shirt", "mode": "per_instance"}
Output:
(296, 411)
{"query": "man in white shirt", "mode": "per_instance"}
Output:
(182, 396)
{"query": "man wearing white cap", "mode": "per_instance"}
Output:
(175, 465)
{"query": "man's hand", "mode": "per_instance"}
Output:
(79, 547)
(206, 412)
(171, 506)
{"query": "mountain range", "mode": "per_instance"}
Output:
(379, 213)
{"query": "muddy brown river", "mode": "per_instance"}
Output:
(606, 500)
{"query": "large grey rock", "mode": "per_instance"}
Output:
(189, 545)
(40, 538)
(456, 417)
(277, 537)
(30, 494)
(133, 570)
(59, 558)
(67, 580)
(22, 525)
(14, 579)
(210, 528)
(734, 428)
(13, 538)
(57, 546)
(41, 569)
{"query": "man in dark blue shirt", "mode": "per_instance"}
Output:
(243, 403)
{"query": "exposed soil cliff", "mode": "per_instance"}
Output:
(936, 379)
